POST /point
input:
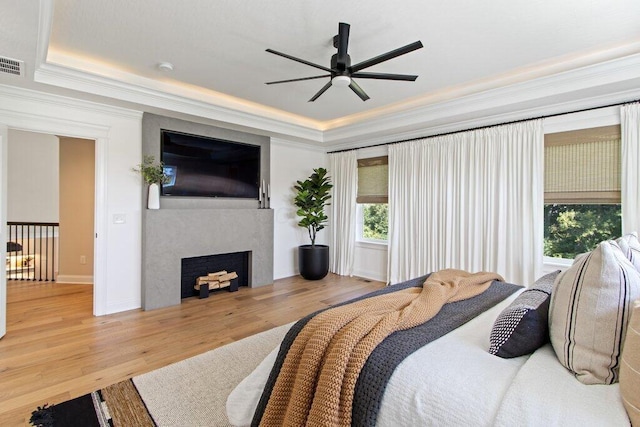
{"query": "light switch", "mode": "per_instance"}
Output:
(119, 218)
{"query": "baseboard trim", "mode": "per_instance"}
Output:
(371, 275)
(121, 306)
(75, 279)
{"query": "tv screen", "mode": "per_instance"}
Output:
(199, 166)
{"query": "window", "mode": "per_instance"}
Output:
(375, 221)
(373, 187)
(581, 190)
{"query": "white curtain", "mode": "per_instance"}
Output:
(343, 169)
(471, 200)
(630, 190)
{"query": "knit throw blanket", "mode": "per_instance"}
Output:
(315, 385)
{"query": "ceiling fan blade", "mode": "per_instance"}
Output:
(358, 90)
(343, 45)
(302, 61)
(321, 91)
(385, 76)
(386, 56)
(298, 80)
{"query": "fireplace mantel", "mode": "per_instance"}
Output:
(172, 234)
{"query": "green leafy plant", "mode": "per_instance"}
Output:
(311, 198)
(375, 221)
(152, 172)
(574, 229)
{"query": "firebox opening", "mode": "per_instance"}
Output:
(195, 267)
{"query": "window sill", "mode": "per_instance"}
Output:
(372, 244)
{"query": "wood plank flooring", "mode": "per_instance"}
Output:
(55, 349)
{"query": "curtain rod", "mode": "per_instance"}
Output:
(486, 126)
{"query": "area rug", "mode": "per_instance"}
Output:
(192, 392)
(116, 405)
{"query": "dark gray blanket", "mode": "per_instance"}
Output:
(394, 349)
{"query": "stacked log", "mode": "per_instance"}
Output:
(217, 280)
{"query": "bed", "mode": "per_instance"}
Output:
(455, 381)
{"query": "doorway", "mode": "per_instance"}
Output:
(50, 211)
(43, 124)
(116, 132)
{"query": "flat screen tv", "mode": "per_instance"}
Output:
(199, 166)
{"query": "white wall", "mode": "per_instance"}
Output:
(33, 166)
(370, 261)
(290, 163)
(117, 133)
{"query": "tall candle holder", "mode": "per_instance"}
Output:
(268, 196)
(264, 196)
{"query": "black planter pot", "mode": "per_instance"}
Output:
(313, 261)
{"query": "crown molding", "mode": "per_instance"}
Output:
(571, 109)
(513, 102)
(45, 20)
(12, 94)
(294, 144)
(592, 86)
(60, 76)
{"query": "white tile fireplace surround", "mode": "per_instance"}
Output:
(169, 235)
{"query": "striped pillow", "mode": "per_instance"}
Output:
(589, 312)
(630, 246)
(630, 367)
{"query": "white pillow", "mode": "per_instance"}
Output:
(589, 313)
(630, 367)
(630, 246)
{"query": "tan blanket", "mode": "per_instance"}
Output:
(316, 383)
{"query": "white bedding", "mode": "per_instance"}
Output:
(454, 381)
(545, 393)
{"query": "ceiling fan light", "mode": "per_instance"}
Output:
(341, 81)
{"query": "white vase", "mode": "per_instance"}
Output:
(153, 200)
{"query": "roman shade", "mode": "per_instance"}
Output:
(583, 167)
(373, 180)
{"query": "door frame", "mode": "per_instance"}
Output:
(68, 128)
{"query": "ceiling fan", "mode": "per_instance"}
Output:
(342, 72)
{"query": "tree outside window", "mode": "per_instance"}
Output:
(570, 230)
(375, 221)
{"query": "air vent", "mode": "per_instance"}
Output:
(11, 66)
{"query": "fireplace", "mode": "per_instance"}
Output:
(194, 267)
(171, 235)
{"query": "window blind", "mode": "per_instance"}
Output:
(373, 180)
(583, 166)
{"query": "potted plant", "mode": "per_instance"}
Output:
(312, 195)
(153, 174)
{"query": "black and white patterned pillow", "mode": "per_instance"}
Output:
(523, 326)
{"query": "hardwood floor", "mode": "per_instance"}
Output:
(55, 349)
